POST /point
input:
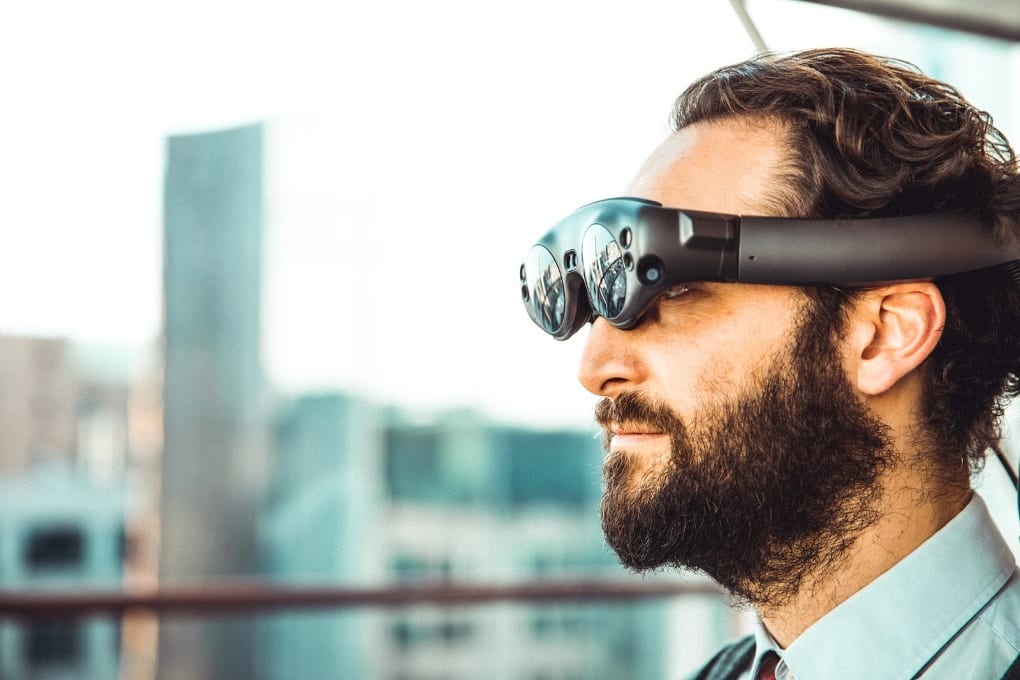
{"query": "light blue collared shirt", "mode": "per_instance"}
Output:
(950, 610)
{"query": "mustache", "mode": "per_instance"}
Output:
(636, 407)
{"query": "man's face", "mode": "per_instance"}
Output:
(736, 444)
(705, 339)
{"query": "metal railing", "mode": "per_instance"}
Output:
(246, 596)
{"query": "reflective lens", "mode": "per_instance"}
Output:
(542, 289)
(604, 271)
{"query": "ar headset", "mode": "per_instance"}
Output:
(615, 257)
(623, 253)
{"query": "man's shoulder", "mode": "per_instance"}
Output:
(1000, 619)
(989, 643)
(1003, 611)
(729, 663)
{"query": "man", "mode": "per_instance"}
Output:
(810, 447)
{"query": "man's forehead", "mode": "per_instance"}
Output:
(731, 165)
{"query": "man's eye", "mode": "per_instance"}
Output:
(677, 291)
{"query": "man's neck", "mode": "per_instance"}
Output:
(909, 516)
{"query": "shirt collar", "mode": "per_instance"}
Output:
(901, 619)
(763, 644)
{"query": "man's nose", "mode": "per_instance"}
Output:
(609, 362)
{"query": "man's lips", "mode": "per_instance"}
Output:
(631, 436)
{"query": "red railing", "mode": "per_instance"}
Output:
(246, 596)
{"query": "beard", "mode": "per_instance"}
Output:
(762, 488)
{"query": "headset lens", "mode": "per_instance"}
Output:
(543, 290)
(604, 271)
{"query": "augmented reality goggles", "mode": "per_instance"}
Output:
(615, 257)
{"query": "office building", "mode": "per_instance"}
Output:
(60, 530)
(214, 458)
(321, 523)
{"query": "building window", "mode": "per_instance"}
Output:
(52, 643)
(61, 547)
(406, 633)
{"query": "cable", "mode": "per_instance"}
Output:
(748, 22)
(1004, 460)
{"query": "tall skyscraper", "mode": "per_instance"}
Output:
(214, 457)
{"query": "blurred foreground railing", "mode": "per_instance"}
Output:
(227, 598)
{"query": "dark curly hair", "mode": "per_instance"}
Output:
(873, 136)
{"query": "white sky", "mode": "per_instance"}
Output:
(415, 152)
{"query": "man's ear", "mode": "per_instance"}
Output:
(892, 329)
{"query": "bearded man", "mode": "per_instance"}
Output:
(809, 444)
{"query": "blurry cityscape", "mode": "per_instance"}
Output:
(178, 464)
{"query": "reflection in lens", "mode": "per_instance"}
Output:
(543, 281)
(604, 271)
